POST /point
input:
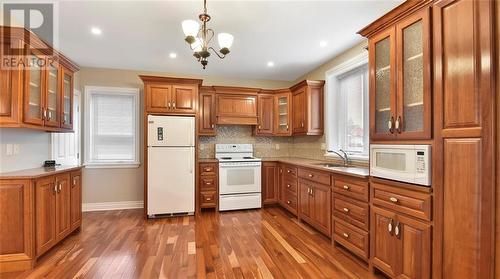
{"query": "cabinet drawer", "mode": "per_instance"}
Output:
(290, 201)
(316, 176)
(290, 185)
(208, 169)
(405, 201)
(208, 199)
(208, 183)
(351, 211)
(352, 238)
(354, 189)
(290, 172)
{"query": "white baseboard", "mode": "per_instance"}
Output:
(103, 206)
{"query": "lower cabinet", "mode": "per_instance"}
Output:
(287, 181)
(269, 183)
(401, 245)
(314, 205)
(208, 185)
(51, 210)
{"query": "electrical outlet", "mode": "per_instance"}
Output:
(323, 146)
(202, 146)
(17, 149)
(277, 146)
(9, 149)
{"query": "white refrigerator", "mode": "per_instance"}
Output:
(171, 165)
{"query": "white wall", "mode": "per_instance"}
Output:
(34, 148)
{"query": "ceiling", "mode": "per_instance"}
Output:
(140, 35)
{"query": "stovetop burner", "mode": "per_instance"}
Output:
(226, 158)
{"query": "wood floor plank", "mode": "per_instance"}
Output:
(267, 243)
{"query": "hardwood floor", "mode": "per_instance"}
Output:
(266, 243)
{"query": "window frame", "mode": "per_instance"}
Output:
(332, 103)
(112, 91)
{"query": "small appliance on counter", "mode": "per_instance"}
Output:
(239, 177)
(50, 164)
(406, 163)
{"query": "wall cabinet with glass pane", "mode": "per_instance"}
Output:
(282, 113)
(400, 86)
(38, 93)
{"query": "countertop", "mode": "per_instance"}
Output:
(37, 172)
(357, 171)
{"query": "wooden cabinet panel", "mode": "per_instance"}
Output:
(299, 111)
(53, 94)
(282, 114)
(63, 206)
(209, 183)
(321, 207)
(184, 98)
(45, 213)
(207, 114)
(315, 110)
(158, 98)
(383, 247)
(354, 239)
(34, 97)
(266, 115)
(67, 99)
(351, 211)
(415, 248)
(316, 176)
(352, 188)
(16, 207)
(269, 183)
(290, 202)
(305, 210)
(290, 185)
(208, 169)
(10, 89)
(76, 199)
(290, 172)
(236, 109)
(209, 199)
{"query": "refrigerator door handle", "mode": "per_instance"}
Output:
(191, 158)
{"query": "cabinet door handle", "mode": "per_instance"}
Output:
(169, 104)
(213, 126)
(288, 185)
(302, 124)
(55, 189)
(346, 235)
(288, 171)
(397, 230)
(173, 104)
(287, 127)
(389, 227)
(44, 114)
(346, 187)
(390, 124)
(393, 199)
(346, 210)
(74, 181)
(260, 127)
(59, 188)
(288, 202)
(312, 192)
(397, 125)
(50, 114)
(310, 175)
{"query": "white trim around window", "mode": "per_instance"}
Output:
(90, 157)
(333, 102)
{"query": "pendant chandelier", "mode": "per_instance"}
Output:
(199, 38)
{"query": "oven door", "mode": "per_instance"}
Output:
(239, 177)
(395, 162)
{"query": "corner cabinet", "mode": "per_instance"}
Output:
(400, 78)
(39, 96)
(282, 113)
(308, 108)
(171, 96)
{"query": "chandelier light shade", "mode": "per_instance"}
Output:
(199, 38)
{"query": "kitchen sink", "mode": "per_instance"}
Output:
(331, 165)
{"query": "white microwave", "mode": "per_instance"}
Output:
(406, 163)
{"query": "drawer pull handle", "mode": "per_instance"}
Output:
(346, 210)
(393, 199)
(209, 199)
(288, 202)
(206, 169)
(396, 230)
(288, 186)
(310, 175)
(389, 227)
(346, 187)
(208, 183)
(346, 235)
(288, 171)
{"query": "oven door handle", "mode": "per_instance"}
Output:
(247, 166)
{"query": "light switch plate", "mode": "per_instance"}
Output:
(9, 149)
(17, 149)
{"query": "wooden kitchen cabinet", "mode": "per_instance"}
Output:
(76, 199)
(208, 185)
(265, 103)
(168, 95)
(282, 113)
(45, 214)
(269, 183)
(206, 115)
(288, 188)
(36, 97)
(236, 105)
(400, 77)
(308, 108)
(315, 205)
(401, 246)
(63, 205)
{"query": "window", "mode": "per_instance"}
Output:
(347, 108)
(111, 127)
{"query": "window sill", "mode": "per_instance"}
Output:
(357, 158)
(112, 166)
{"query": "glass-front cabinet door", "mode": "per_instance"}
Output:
(413, 119)
(67, 99)
(34, 110)
(282, 117)
(382, 85)
(52, 97)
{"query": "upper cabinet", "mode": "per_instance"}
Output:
(206, 113)
(282, 113)
(307, 108)
(400, 75)
(265, 104)
(38, 94)
(171, 96)
(236, 105)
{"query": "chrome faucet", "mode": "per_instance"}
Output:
(344, 156)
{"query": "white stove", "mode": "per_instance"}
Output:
(239, 177)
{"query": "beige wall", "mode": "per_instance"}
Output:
(113, 185)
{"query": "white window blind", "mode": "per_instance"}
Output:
(112, 127)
